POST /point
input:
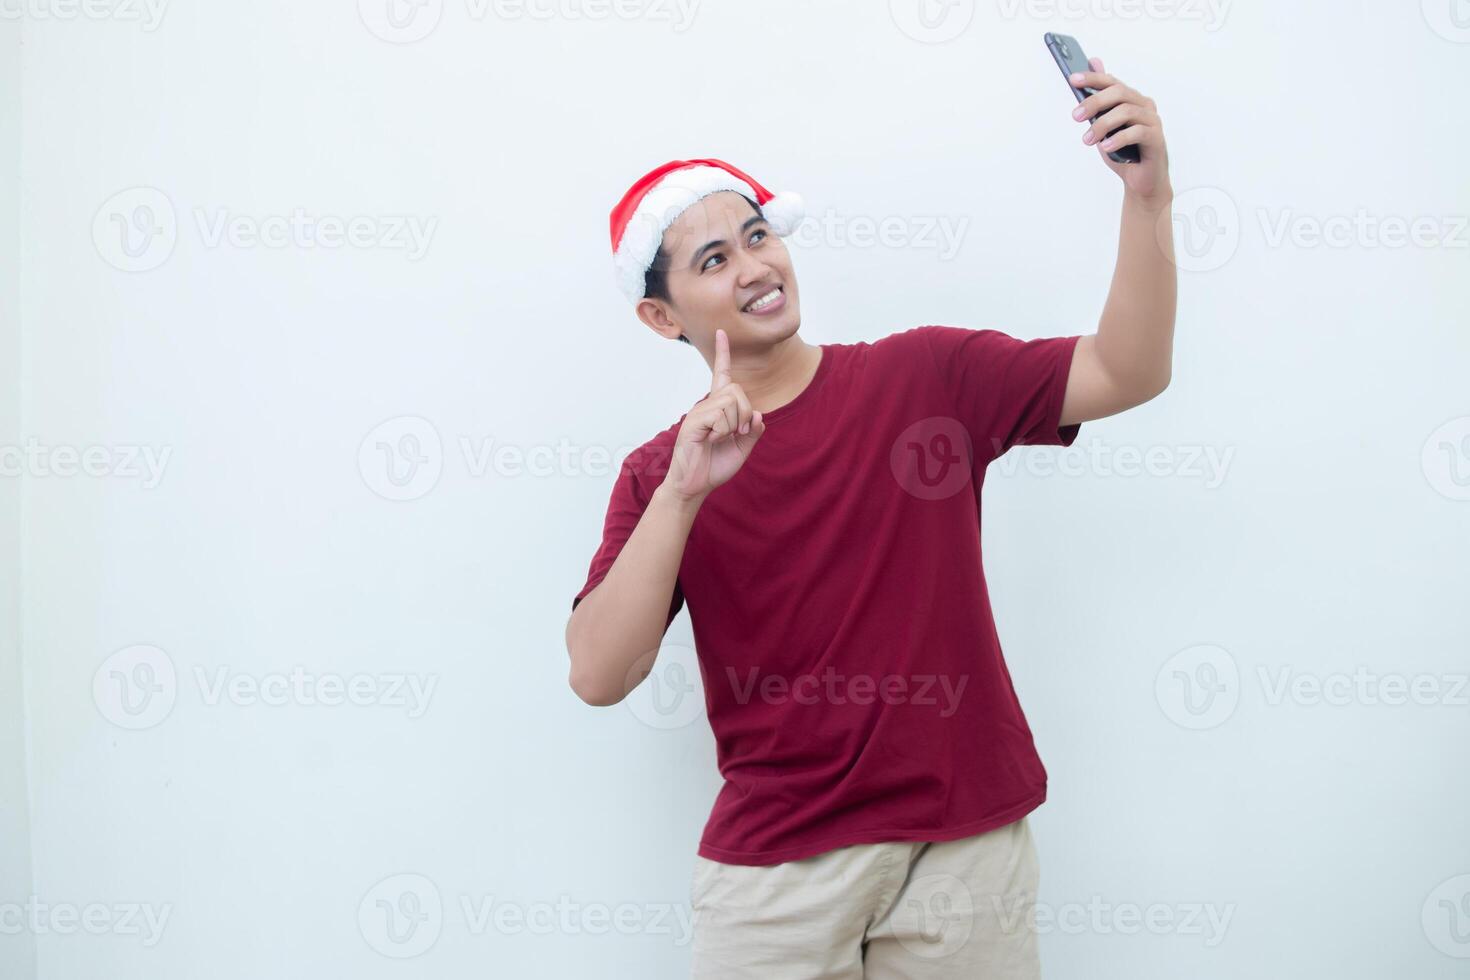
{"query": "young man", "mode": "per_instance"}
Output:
(819, 512)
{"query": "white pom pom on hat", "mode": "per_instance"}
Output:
(656, 200)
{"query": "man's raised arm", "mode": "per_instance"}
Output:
(1129, 360)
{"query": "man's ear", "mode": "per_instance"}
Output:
(656, 314)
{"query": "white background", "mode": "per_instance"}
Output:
(1333, 540)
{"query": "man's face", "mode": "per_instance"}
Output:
(723, 258)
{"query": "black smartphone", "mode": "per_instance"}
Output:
(1069, 58)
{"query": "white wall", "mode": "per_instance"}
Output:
(261, 837)
(17, 946)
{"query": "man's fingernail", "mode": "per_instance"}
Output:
(1076, 76)
(1077, 113)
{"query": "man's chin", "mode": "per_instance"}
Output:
(774, 329)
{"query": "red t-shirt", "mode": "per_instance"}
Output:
(852, 673)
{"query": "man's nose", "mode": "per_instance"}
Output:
(752, 268)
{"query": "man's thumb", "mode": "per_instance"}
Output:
(757, 426)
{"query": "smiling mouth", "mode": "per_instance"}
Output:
(765, 300)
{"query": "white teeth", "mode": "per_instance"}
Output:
(764, 301)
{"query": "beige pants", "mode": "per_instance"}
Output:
(961, 908)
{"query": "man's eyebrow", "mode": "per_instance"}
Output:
(720, 243)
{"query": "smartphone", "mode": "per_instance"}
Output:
(1069, 58)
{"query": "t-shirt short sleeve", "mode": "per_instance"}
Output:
(624, 510)
(1007, 391)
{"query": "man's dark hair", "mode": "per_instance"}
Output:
(656, 279)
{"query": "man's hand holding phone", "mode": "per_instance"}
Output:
(1124, 124)
(1115, 106)
(1132, 119)
(717, 434)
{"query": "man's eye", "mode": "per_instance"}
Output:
(716, 255)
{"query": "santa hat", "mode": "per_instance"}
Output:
(658, 197)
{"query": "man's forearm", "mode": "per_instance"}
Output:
(1135, 336)
(620, 624)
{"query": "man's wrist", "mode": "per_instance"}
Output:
(677, 501)
(1155, 203)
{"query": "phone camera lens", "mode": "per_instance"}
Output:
(1066, 51)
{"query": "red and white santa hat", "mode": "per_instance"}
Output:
(653, 203)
